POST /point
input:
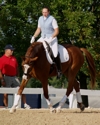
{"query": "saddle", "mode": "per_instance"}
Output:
(53, 60)
(64, 56)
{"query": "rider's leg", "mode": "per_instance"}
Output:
(58, 64)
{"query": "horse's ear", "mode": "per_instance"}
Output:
(34, 59)
(23, 57)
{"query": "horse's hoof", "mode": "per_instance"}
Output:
(58, 110)
(12, 110)
(82, 107)
(52, 110)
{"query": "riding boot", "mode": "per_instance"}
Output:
(58, 66)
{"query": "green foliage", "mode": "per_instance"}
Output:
(33, 83)
(58, 83)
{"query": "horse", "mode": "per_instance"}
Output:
(36, 65)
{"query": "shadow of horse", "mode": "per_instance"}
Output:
(35, 64)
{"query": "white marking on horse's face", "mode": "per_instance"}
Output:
(26, 67)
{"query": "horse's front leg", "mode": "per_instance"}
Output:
(46, 95)
(18, 95)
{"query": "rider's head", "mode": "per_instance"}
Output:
(45, 11)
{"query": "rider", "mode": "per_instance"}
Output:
(48, 27)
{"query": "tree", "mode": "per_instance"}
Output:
(58, 83)
(33, 83)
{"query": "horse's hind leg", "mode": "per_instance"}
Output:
(71, 74)
(78, 95)
(68, 91)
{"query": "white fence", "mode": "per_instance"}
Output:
(60, 92)
(57, 92)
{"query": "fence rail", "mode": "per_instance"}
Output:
(58, 92)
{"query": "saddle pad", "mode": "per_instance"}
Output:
(64, 56)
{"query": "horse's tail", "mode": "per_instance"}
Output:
(91, 65)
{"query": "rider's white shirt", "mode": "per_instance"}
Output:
(54, 23)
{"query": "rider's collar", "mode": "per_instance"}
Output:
(45, 17)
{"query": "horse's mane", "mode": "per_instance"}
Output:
(38, 44)
(34, 46)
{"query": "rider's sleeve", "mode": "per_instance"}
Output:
(54, 23)
(38, 25)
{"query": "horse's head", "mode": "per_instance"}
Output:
(32, 55)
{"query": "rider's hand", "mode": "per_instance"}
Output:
(32, 39)
(50, 40)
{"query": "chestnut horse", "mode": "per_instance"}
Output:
(35, 65)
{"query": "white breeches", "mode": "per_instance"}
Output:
(53, 45)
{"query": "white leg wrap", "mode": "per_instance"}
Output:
(16, 99)
(48, 102)
(63, 100)
(78, 97)
(26, 67)
(24, 77)
(19, 102)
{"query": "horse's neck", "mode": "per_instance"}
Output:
(40, 49)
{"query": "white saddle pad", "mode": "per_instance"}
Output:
(64, 56)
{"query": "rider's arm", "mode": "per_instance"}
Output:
(1, 68)
(56, 28)
(56, 32)
(37, 32)
(2, 79)
(1, 76)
